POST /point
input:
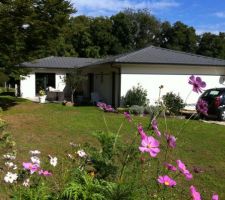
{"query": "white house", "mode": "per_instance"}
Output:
(110, 78)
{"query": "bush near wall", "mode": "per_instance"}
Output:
(136, 96)
(173, 103)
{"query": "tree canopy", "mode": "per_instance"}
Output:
(31, 29)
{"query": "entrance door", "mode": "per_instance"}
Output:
(44, 80)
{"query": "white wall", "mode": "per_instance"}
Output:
(173, 78)
(27, 86)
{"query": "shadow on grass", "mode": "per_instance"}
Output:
(8, 101)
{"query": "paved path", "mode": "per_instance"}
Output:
(214, 122)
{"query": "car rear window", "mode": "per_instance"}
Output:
(214, 93)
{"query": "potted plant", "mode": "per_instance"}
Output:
(42, 96)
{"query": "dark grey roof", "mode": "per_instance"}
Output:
(59, 62)
(148, 55)
(157, 55)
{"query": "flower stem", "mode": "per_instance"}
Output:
(185, 124)
(106, 125)
(127, 157)
(117, 134)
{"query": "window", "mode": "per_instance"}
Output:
(44, 80)
(214, 93)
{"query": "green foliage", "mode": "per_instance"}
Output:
(6, 139)
(136, 96)
(173, 103)
(39, 192)
(136, 110)
(107, 142)
(212, 45)
(3, 78)
(154, 111)
(135, 28)
(30, 30)
(180, 37)
(104, 159)
(122, 110)
(85, 187)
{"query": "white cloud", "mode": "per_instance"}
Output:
(215, 28)
(108, 7)
(220, 14)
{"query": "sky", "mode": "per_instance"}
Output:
(203, 15)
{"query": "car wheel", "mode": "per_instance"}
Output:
(222, 115)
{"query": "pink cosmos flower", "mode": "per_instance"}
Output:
(171, 140)
(202, 107)
(170, 167)
(150, 145)
(128, 116)
(197, 83)
(183, 170)
(109, 108)
(167, 181)
(105, 107)
(215, 197)
(195, 195)
(101, 105)
(141, 131)
(155, 127)
(31, 167)
(45, 173)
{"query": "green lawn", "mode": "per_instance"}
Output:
(51, 127)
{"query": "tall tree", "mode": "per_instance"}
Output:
(81, 38)
(101, 32)
(124, 29)
(181, 37)
(212, 45)
(31, 29)
(135, 29)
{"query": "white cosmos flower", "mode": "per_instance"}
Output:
(14, 167)
(81, 153)
(10, 177)
(35, 152)
(70, 156)
(35, 160)
(53, 161)
(26, 183)
(9, 157)
(73, 144)
(9, 164)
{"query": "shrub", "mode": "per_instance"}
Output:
(173, 103)
(136, 96)
(136, 110)
(122, 110)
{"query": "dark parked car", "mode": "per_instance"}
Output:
(215, 99)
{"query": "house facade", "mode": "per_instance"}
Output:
(110, 78)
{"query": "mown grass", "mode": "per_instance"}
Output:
(51, 127)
